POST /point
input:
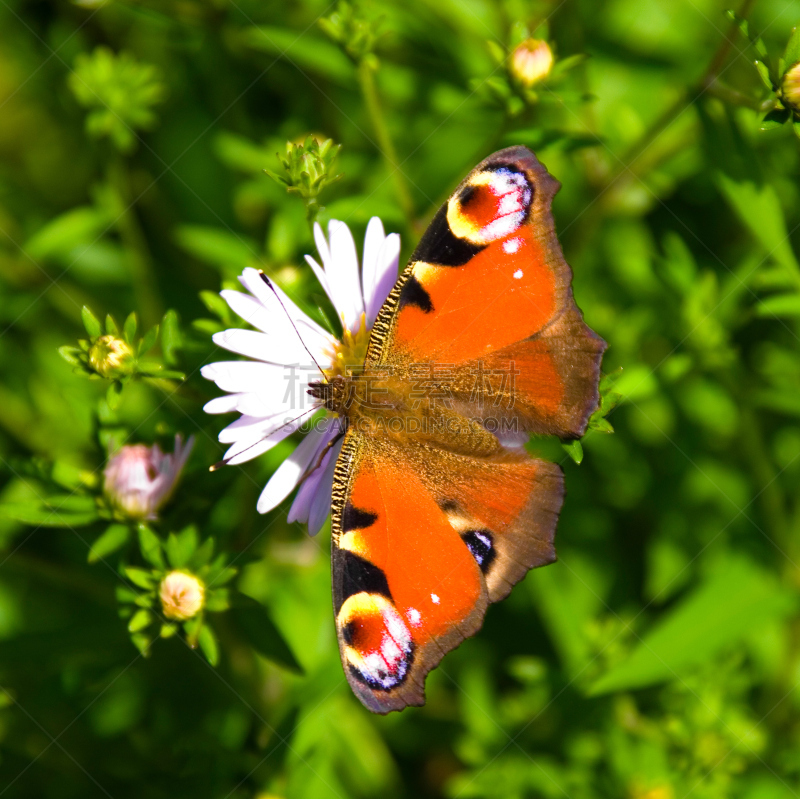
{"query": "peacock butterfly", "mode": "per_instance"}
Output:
(434, 514)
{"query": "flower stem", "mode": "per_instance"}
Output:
(366, 78)
(691, 95)
(139, 259)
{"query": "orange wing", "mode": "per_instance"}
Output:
(423, 540)
(487, 292)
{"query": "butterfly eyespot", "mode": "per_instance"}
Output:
(378, 648)
(481, 544)
(491, 206)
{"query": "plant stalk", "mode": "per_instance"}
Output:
(366, 78)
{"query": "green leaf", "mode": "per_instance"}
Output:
(54, 512)
(568, 594)
(497, 52)
(217, 601)
(760, 211)
(736, 599)
(150, 338)
(71, 355)
(91, 323)
(111, 325)
(203, 554)
(125, 594)
(144, 579)
(168, 630)
(779, 305)
(142, 642)
(208, 644)
(60, 236)
(217, 246)
(791, 55)
(114, 395)
(763, 73)
(141, 619)
(171, 337)
(744, 27)
(115, 536)
(255, 625)
(775, 118)
(216, 305)
(574, 450)
(181, 547)
(306, 52)
(129, 331)
(150, 546)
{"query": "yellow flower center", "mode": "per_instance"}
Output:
(349, 353)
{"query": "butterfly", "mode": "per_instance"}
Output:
(434, 513)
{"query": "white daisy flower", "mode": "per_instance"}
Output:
(270, 391)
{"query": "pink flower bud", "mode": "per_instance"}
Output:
(140, 479)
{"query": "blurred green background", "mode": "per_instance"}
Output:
(659, 658)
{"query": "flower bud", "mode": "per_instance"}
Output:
(531, 61)
(790, 87)
(182, 595)
(140, 479)
(110, 356)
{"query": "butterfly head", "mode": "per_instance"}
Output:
(332, 392)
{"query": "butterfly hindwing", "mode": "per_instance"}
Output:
(423, 540)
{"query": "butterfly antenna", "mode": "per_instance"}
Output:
(220, 464)
(291, 321)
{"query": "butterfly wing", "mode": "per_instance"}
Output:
(423, 540)
(487, 297)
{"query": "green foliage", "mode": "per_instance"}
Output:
(658, 658)
(120, 92)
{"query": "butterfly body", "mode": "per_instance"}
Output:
(433, 516)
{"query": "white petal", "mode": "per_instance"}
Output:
(243, 375)
(245, 450)
(253, 281)
(373, 242)
(226, 404)
(264, 389)
(302, 500)
(343, 275)
(262, 346)
(251, 428)
(386, 276)
(320, 273)
(288, 474)
(321, 503)
(322, 245)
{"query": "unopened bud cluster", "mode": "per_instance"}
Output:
(111, 357)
